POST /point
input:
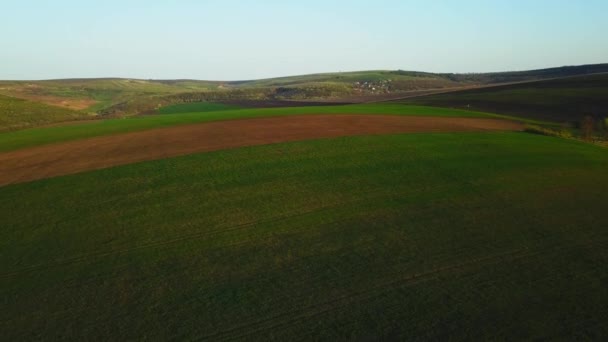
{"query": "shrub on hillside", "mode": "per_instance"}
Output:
(561, 133)
(587, 127)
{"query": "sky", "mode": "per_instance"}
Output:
(242, 39)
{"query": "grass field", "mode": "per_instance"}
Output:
(38, 136)
(196, 107)
(431, 236)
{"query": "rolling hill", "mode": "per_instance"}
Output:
(559, 100)
(124, 97)
(19, 114)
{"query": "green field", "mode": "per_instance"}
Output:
(196, 107)
(437, 236)
(294, 171)
(475, 236)
(38, 136)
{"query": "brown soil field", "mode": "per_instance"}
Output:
(102, 152)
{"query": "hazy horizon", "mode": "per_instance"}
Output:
(288, 76)
(242, 40)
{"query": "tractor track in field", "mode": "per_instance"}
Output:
(310, 311)
(106, 151)
(389, 282)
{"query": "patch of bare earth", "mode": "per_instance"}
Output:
(57, 101)
(102, 152)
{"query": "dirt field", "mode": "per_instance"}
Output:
(101, 152)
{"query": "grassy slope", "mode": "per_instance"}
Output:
(562, 100)
(115, 97)
(413, 79)
(109, 93)
(106, 92)
(18, 114)
(438, 236)
(38, 136)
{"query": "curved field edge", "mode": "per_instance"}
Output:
(40, 136)
(106, 151)
(330, 239)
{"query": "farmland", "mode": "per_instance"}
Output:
(103, 98)
(444, 235)
(38, 136)
(563, 100)
(203, 220)
(304, 171)
(102, 152)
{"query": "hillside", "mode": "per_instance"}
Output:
(559, 100)
(18, 114)
(413, 76)
(367, 86)
(529, 75)
(124, 97)
(94, 94)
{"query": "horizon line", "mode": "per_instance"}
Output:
(299, 75)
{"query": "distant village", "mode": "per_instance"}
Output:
(375, 87)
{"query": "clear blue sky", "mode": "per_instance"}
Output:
(241, 39)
